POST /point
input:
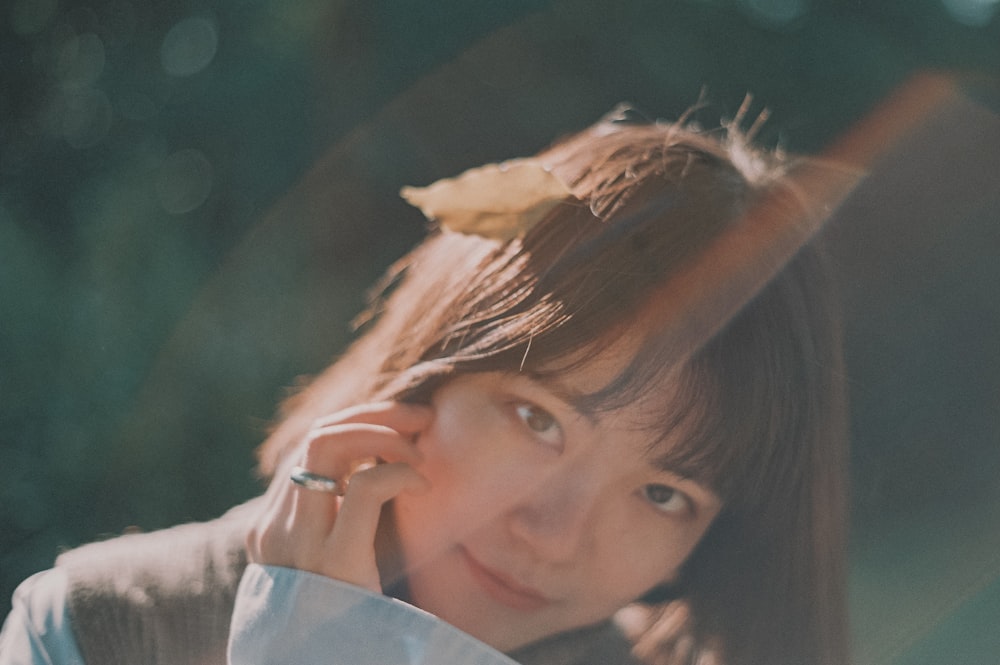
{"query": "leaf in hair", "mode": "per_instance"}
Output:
(498, 201)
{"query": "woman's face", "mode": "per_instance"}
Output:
(541, 518)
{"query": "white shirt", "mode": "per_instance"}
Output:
(281, 615)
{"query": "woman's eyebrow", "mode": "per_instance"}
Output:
(667, 464)
(687, 474)
(575, 399)
(684, 470)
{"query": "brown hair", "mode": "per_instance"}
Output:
(762, 398)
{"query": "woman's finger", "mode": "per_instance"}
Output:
(298, 525)
(351, 545)
(335, 450)
(360, 435)
(407, 419)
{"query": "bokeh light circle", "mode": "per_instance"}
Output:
(189, 46)
(974, 13)
(81, 60)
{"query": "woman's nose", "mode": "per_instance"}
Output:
(557, 519)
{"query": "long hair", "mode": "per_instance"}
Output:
(762, 399)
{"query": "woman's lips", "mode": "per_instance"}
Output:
(502, 588)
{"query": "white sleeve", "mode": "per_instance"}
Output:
(284, 615)
(37, 630)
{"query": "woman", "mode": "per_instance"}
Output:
(605, 387)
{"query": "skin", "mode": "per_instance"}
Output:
(518, 516)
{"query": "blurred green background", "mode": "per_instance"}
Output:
(194, 195)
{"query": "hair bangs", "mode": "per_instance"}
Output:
(693, 420)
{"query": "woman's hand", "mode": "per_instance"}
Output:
(370, 448)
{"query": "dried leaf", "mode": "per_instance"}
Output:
(500, 201)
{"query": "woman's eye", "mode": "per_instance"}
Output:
(665, 498)
(542, 423)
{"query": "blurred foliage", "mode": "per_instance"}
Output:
(157, 161)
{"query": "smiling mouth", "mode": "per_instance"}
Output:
(502, 588)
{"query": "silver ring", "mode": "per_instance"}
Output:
(317, 483)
